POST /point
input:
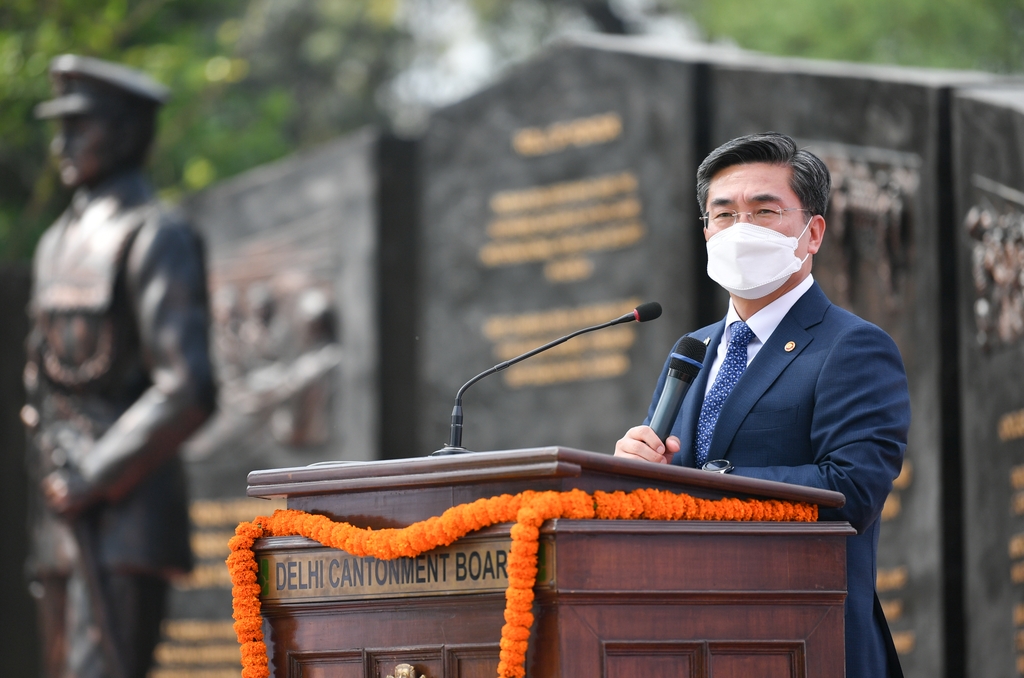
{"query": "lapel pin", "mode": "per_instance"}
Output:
(790, 345)
(707, 341)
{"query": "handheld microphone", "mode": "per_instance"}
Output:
(685, 362)
(641, 314)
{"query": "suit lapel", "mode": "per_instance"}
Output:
(771, 361)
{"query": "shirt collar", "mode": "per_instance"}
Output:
(766, 321)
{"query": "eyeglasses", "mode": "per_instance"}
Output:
(769, 217)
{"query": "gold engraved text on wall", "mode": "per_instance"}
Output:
(904, 641)
(213, 524)
(1017, 477)
(891, 579)
(560, 224)
(195, 647)
(1017, 483)
(893, 503)
(1015, 545)
(207, 648)
(892, 609)
(1008, 430)
(601, 355)
(1018, 621)
(1011, 426)
(596, 129)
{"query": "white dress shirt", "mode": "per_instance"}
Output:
(762, 324)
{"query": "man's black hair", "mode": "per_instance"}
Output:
(811, 180)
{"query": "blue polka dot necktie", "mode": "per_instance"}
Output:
(730, 372)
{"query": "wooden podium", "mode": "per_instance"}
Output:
(617, 599)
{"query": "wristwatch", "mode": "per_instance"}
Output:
(718, 466)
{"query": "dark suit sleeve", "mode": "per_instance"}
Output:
(858, 428)
(166, 284)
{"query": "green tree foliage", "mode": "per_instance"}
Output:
(974, 34)
(252, 80)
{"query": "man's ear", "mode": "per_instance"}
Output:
(817, 233)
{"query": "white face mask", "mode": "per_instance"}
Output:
(752, 261)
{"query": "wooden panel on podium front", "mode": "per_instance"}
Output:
(614, 598)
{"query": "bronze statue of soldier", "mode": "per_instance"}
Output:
(118, 376)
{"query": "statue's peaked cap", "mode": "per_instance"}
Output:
(83, 83)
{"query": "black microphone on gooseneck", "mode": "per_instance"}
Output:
(641, 314)
(685, 362)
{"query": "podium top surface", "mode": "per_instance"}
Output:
(513, 470)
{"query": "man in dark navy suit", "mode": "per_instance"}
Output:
(793, 389)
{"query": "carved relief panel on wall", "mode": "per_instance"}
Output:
(865, 263)
(275, 342)
(995, 225)
(868, 264)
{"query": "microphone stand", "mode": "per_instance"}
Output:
(454, 445)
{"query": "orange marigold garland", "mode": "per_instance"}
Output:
(527, 509)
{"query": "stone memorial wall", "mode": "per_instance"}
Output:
(883, 133)
(988, 129)
(19, 644)
(356, 287)
(559, 198)
(291, 253)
